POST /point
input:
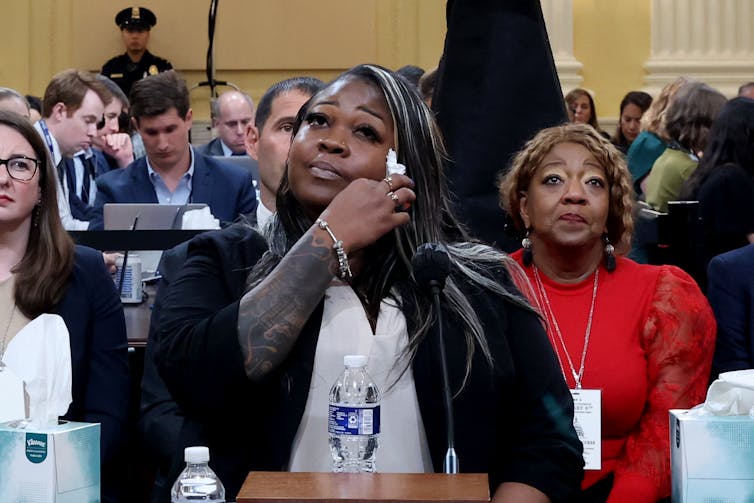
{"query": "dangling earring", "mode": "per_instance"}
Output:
(37, 211)
(527, 255)
(609, 254)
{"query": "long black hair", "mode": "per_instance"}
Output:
(730, 142)
(419, 147)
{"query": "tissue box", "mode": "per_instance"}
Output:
(56, 465)
(711, 457)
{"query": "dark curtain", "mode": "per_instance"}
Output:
(497, 87)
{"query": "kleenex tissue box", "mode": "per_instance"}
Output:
(712, 457)
(60, 464)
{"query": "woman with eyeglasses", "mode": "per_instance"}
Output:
(41, 271)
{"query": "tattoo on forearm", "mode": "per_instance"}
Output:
(272, 315)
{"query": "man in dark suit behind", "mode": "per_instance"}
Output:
(231, 113)
(172, 172)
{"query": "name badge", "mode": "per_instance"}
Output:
(116, 75)
(587, 420)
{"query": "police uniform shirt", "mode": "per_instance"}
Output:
(125, 72)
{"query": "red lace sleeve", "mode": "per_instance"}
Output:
(679, 339)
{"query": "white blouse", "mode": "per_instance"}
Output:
(346, 330)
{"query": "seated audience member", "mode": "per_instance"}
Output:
(652, 141)
(641, 334)
(244, 324)
(172, 172)
(231, 113)
(632, 108)
(73, 104)
(110, 150)
(724, 181)
(35, 107)
(581, 109)
(747, 90)
(112, 140)
(41, 271)
(427, 84)
(269, 138)
(688, 120)
(411, 73)
(12, 101)
(730, 292)
(269, 141)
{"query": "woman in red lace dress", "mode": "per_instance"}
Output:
(633, 340)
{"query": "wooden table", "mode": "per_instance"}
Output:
(287, 487)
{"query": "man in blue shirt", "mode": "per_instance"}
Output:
(172, 171)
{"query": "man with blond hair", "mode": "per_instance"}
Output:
(73, 104)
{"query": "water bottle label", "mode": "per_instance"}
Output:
(347, 420)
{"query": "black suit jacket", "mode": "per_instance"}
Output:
(213, 148)
(251, 426)
(731, 294)
(93, 314)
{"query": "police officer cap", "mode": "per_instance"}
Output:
(135, 17)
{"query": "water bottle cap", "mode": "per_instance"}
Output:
(196, 454)
(355, 361)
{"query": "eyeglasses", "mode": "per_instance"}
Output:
(21, 168)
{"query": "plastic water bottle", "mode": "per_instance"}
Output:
(354, 419)
(197, 482)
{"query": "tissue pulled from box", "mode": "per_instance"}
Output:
(199, 220)
(732, 394)
(40, 354)
(392, 166)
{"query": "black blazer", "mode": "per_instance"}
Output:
(93, 314)
(251, 426)
(731, 294)
(213, 148)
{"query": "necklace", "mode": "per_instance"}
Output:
(5, 335)
(577, 376)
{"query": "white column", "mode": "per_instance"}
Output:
(710, 40)
(559, 21)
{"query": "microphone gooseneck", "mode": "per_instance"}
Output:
(431, 267)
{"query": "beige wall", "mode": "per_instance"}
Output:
(611, 39)
(261, 41)
(257, 42)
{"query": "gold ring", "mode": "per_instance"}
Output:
(392, 196)
(389, 181)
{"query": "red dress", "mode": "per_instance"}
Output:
(650, 350)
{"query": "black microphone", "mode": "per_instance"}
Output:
(431, 266)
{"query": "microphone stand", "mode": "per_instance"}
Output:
(211, 82)
(122, 275)
(450, 463)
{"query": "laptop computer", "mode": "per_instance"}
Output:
(151, 216)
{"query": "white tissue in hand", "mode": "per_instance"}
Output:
(199, 220)
(393, 166)
(732, 394)
(40, 354)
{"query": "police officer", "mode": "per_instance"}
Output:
(137, 62)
